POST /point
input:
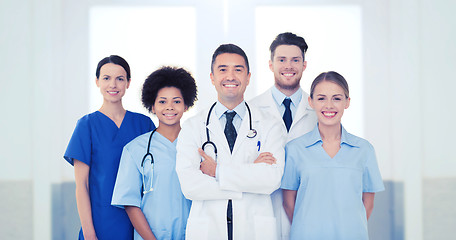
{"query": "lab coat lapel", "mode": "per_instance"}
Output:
(216, 133)
(301, 111)
(266, 102)
(243, 131)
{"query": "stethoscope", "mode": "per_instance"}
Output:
(151, 165)
(251, 134)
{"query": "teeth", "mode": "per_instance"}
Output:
(169, 115)
(113, 92)
(230, 85)
(288, 74)
(329, 114)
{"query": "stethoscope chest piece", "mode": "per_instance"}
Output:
(252, 133)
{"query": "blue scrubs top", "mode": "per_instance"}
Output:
(329, 190)
(98, 142)
(165, 208)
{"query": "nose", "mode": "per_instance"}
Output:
(170, 105)
(113, 83)
(230, 75)
(287, 64)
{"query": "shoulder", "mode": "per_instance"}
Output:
(140, 140)
(139, 116)
(85, 120)
(305, 140)
(261, 99)
(359, 142)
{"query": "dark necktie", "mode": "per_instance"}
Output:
(287, 114)
(230, 131)
(230, 134)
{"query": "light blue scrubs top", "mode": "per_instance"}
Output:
(329, 199)
(165, 208)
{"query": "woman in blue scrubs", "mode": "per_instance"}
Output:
(330, 176)
(95, 149)
(148, 187)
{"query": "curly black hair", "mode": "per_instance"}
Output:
(169, 77)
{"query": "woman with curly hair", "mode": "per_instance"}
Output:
(147, 185)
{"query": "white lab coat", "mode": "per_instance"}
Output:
(249, 185)
(303, 121)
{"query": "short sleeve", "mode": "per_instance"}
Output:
(372, 180)
(290, 179)
(127, 189)
(80, 145)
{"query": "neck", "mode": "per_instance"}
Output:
(112, 109)
(169, 132)
(287, 92)
(330, 133)
(230, 104)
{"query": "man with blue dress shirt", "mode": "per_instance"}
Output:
(287, 102)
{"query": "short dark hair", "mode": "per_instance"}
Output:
(330, 76)
(116, 60)
(169, 77)
(229, 48)
(288, 38)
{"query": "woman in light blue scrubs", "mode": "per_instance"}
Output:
(150, 190)
(330, 176)
(95, 149)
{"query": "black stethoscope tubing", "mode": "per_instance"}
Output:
(252, 132)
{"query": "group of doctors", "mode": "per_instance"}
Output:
(221, 175)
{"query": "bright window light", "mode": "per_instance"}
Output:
(334, 36)
(148, 38)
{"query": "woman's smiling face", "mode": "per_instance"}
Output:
(329, 102)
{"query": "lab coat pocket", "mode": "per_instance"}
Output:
(265, 228)
(197, 229)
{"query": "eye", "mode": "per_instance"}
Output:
(238, 69)
(320, 98)
(337, 99)
(222, 69)
(120, 78)
(161, 101)
(281, 60)
(105, 78)
(177, 101)
(296, 60)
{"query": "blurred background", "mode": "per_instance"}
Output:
(398, 56)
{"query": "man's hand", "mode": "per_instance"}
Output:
(266, 157)
(208, 165)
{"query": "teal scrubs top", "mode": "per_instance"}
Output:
(165, 208)
(329, 190)
(98, 142)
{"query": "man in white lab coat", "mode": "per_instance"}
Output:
(230, 182)
(287, 102)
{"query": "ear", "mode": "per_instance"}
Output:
(186, 108)
(304, 65)
(128, 83)
(248, 78)
(347, 104)
(153, 109)
(310, 102)
(97, 82)
(212, 78)
(270, 66)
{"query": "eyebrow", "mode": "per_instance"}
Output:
(236, 66)
(173, 97)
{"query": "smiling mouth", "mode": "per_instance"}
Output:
(230, 85)
(288, 74)
(113, 92)
(329, 114)
(170, 115)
